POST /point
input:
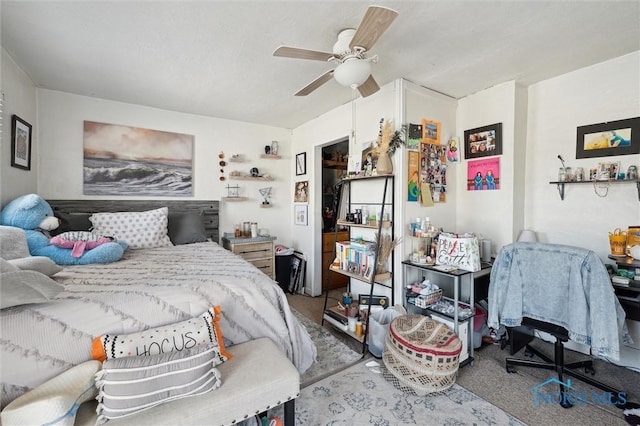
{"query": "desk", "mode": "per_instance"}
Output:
(629, 296)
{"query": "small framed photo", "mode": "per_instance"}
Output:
(20, 143)
(300, 214)
(301, 164)
(301, 194)
(608, 170)
(430, 131)
(368, 272)
(619, 137)
(483, 142)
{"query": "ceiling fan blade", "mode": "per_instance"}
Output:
(294, 52)
(315, 84)
(369, 87)
(374, 23)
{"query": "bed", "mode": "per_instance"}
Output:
(147, 288)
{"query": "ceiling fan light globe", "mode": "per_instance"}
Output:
(352, 72)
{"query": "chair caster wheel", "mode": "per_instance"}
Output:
(590, 370)
(510, 369)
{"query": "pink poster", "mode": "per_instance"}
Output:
(483, 174)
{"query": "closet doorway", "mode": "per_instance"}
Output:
(334, 166)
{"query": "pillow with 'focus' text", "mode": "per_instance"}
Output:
(201, 330)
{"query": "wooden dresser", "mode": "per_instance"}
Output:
(259, 253)
(328, 254)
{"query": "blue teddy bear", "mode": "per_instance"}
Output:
(32, 213)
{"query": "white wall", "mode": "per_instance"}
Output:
(19, 94)
(310, 137)
(488, 213)
(603, 92)
(423, 103)
(60, 130)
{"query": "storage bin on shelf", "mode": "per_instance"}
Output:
(424, 300)
(421, 354)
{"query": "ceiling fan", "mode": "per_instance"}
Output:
(349, 53)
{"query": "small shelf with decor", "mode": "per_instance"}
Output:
(243, 177)
(235, 198)
(595, 183)
(271, 156)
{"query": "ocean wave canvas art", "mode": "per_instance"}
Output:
(124, 160)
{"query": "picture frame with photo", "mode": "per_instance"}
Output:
(301, 164)
(483, 141)
(301, 193)
(620, 137)
(430, 131)
(608, 170)
(20, 143)
(300, 214)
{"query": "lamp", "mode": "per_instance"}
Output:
(527, 236)
(352, 72)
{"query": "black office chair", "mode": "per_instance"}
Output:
(524, 278)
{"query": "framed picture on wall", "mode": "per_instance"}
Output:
(483, 141)
(20, 143)
(620, 137)
(430, 131)
(301, 164)
(300, 214)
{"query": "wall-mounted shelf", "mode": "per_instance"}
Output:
(262, 178)
(235, 198)
(271, 156)
(266, 206)
(561, 185)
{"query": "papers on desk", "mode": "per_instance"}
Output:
(621, 281)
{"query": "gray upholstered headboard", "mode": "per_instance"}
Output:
(209, 208)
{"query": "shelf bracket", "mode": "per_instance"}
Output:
(561, 190)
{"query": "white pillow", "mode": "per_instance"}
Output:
(25, 287)
(56, 401)
(138, 229)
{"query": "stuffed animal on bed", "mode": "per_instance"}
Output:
(33, 214)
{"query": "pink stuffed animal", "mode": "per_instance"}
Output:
(79, 241)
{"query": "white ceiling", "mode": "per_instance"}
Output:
(214, 58)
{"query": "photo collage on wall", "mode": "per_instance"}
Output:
(433, 173)
(427, 163)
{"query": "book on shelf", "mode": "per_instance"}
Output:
(354, 260)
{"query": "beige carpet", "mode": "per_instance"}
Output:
(487, 378)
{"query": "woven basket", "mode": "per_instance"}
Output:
(422, 354)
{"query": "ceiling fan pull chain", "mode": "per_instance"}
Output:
(353, 116)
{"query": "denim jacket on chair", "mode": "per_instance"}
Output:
(562, 285)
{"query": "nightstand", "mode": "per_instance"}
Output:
(258, 251)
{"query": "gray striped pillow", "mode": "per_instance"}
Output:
(132, 384)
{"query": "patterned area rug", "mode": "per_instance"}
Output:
(333, 355)
(358, 396)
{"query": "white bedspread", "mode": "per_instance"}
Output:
(147, 288)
